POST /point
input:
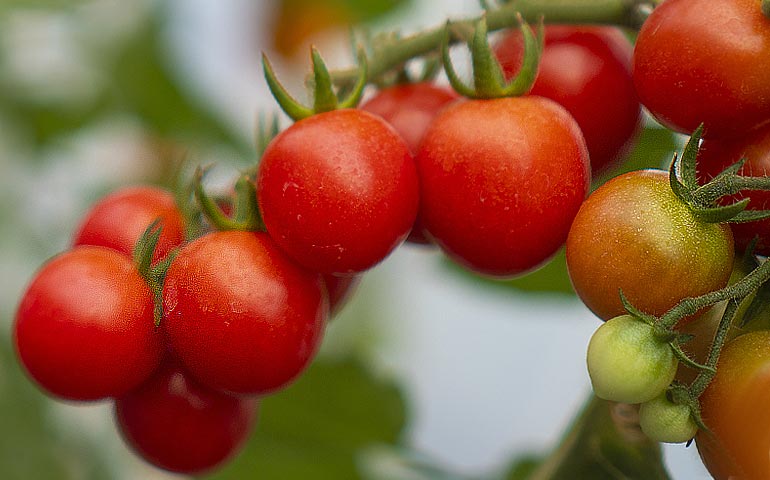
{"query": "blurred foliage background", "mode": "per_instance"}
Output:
(93, 96)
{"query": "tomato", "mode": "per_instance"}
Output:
(701, 61)
(627, 363)
(338, 191)
(664, 421)
(587, 70)
(118, 220)
(339, 290)
(734, 408)
(179, 425)
(240, 315)
(501, 181)
(633, 234)
(410, 108)
(715, 155)
(84, 329)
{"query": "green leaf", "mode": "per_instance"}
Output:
(317, 427)
(654, 149)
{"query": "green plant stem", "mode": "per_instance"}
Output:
(392, 54)
(766, 8)
(691, 305)
(720, 337)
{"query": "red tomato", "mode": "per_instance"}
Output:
(705, 61)
(634, 234)
(734, 408)
(179, 425)
(240, 315)
(501, 181)
(84, 329)
(119, 220)
(716, 155)
(338, 191)
(587, 70)
(339, 290)
(409, 108)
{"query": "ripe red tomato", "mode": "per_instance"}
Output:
(240, 315)
(701, 61)
(410, 108)
(339, 290)
(84, 329)
(501, 181)
(587, 70)
(734, 408)
(119, 220)
(634, 234)
(716, 155)
(338, 191)
(179, 425)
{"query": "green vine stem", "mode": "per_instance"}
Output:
(704, 377)
(395, 52)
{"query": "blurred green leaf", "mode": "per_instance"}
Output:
(523, 467)
(30, 447)
(598, 448)
(316, 428)
(654, 149)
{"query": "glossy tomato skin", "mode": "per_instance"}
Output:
(697, 61)
(587, 70)
(634, 234)
(84, 329)
(177, 424)
(410, 108)
(338, 191)
(241, 316)
(501, 181)
(734, 408)
(119, 219)
(716, 155)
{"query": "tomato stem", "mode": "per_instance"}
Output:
(394, 52)
(720, 337)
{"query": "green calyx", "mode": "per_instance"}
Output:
(246, 215)
(325, 99)
(702, 200)
(488, 77)
(153, 274)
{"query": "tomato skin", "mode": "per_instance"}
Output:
(734, 408)
(698, 61)
(627, 363)
(664, 421)
(634, 234)
(84, 328)
(179, 425)
(119, 219)
(587, 70)
(241, 316)
(716, 155)
(409, 108)
(338, 191)
(340, 289)
(500, 182)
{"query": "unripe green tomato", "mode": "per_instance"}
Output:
(628, 363)
(665, 421)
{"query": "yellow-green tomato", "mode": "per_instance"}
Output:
(665, 421)
(628, 363)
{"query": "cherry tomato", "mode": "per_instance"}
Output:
(339, 290)
(716, 155)
(627, 363)
(410, 108)
(634, 234)
(501, 181)
(118, 220)
(701, 61)
(665, 421)
(587, 70)
(240, 315)
(84, 329)
(734, 408)
(338, 191)
(179, 425)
